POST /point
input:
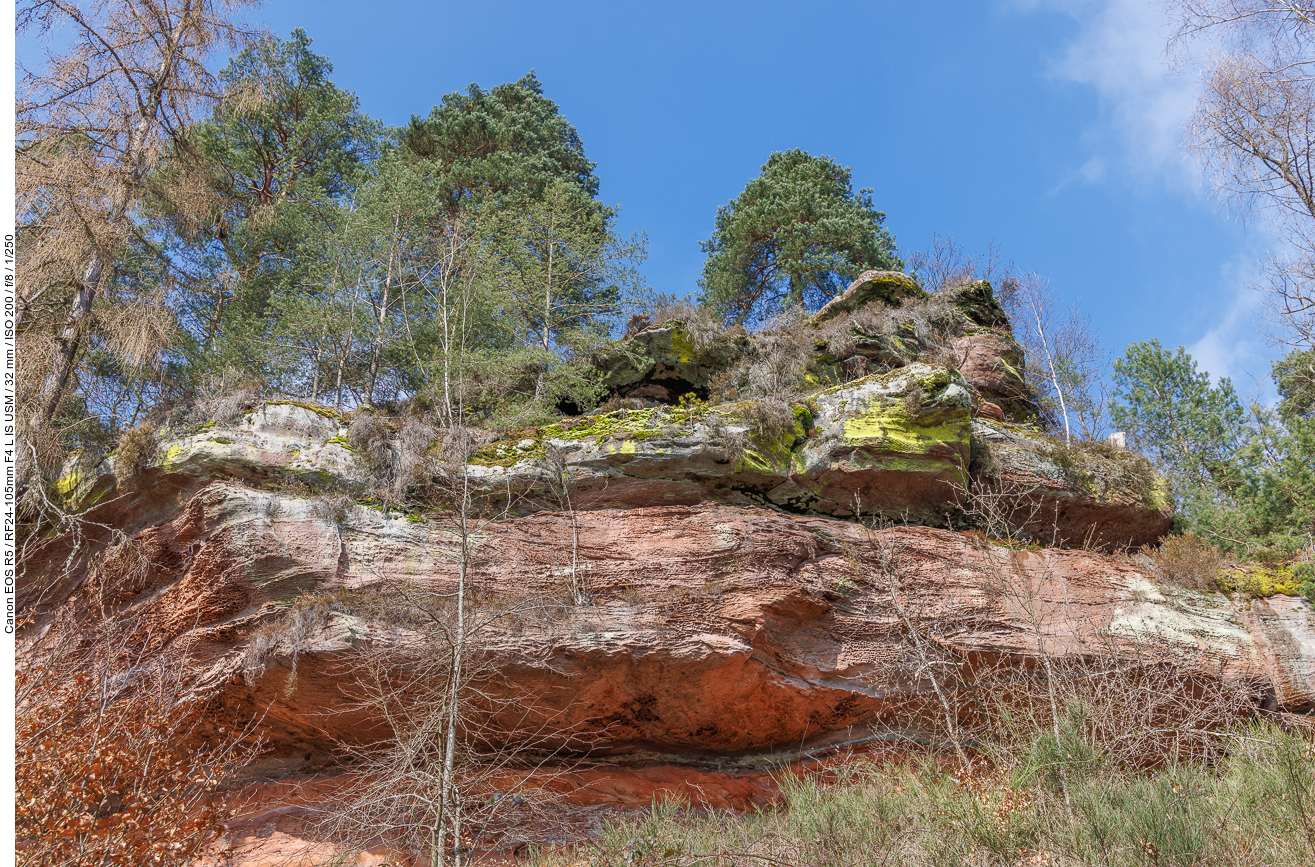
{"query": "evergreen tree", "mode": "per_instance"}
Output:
(795, 236)
(280, 152)
(510, 142)
(1170, 409)
(1244, 480)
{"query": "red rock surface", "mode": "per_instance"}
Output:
(992, 363)
(717, 630)
(721, 639)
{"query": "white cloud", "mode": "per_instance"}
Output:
(1233, 346)
(1119, 52)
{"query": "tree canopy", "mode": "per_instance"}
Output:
(284, 146)
(1244, 479)
(510, 141)
(796, 236)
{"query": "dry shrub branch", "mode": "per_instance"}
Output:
(117, 761)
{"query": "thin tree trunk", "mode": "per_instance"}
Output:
(1050, 365)
(383, 313)
(447, 806)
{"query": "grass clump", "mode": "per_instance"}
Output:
(1253, 807)
(701, 325)
(136, 452)
(773, 376)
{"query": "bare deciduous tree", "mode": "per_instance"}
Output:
(1254, 127)
(947, 264)
(1064, 358)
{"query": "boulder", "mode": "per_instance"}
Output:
(1088, 494)
(663, 362)
(290, 440)
(890, 288)
(895, 444)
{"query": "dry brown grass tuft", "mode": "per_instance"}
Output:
(773, 375)
(703, 327)
(136, 451)
(368, 435)
(919, 328)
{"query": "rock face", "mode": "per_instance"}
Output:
(696, 617)
(992, 363)
(714, 630)
(686, 596)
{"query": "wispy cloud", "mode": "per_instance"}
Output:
(1120, 53)
(1233, 346)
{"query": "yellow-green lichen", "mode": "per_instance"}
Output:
(171, 456)
(893, 429)
(318, 409)
(628, 427)
(682, 346)
(67, 485)
(1259, 582)
(772, 452)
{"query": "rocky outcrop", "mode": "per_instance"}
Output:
(1083, 494)
(992, 363)
(695, 618)
(976, 300)
(900, 445)
(895, 444)
(664, 362)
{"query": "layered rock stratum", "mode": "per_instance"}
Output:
(702, 600)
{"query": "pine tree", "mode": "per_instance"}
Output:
(795, 236)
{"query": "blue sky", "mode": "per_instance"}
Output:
(1051, 128)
